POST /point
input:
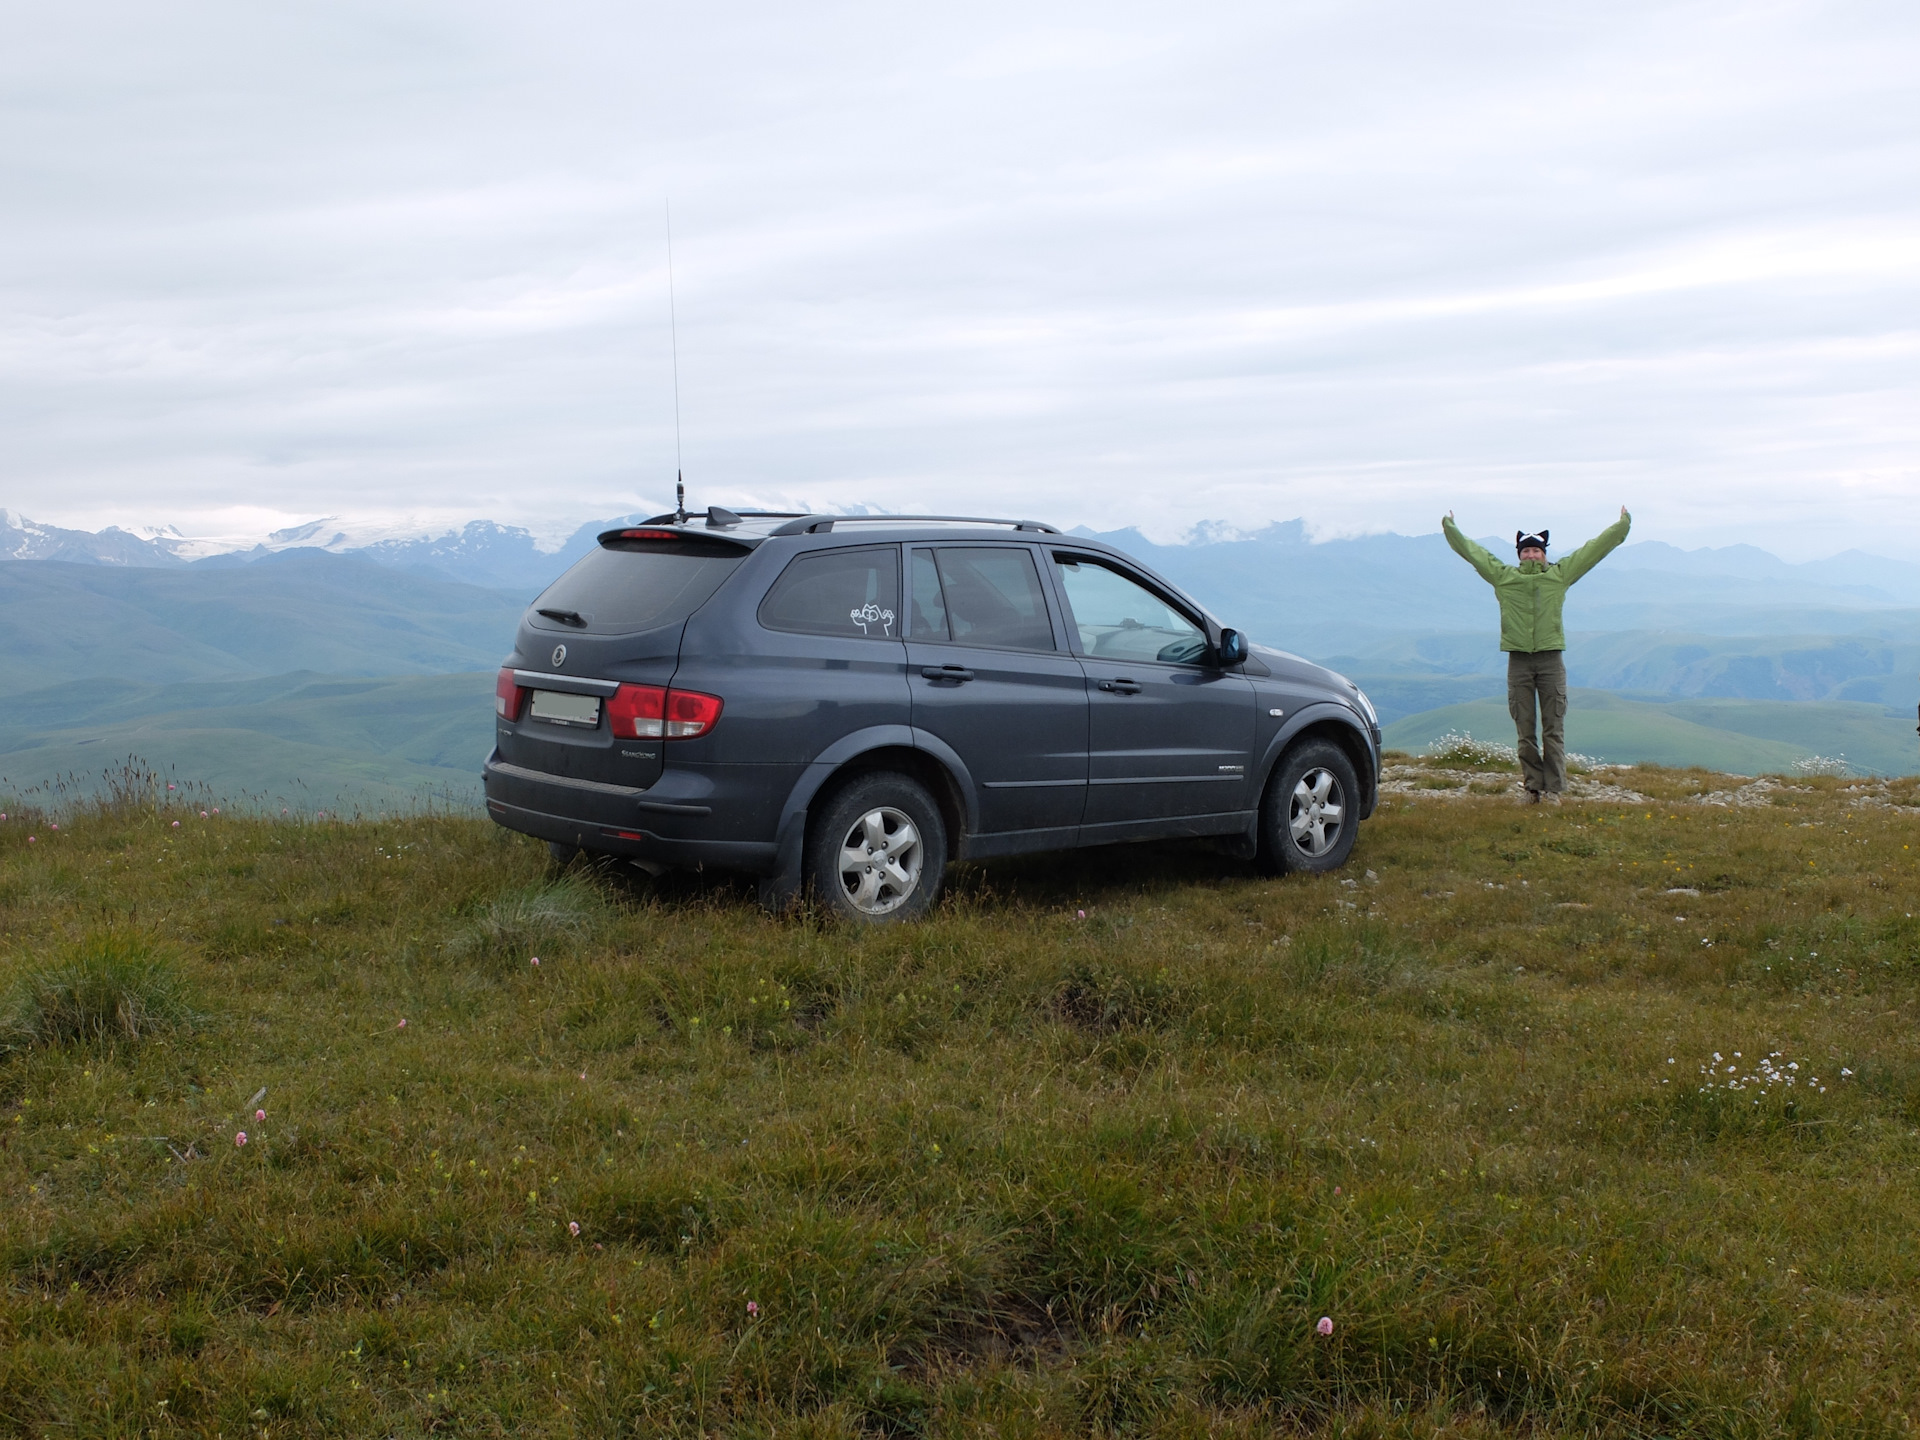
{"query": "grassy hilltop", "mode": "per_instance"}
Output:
(1022, 1166)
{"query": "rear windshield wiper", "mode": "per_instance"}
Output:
(566, 617)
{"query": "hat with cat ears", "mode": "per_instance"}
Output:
(1524, 541)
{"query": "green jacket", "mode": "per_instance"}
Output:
(1531, 594)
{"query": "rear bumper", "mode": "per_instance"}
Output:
(670, 823)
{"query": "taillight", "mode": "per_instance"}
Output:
(689, 713)
(507, 696)
(635, 711)
(647, 712)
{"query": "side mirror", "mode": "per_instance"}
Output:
(1232, 648)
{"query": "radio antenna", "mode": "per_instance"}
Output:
(673, 329)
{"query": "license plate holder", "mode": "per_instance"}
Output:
(556, 707)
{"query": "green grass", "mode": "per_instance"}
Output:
(1744, 737)
(1010, 1168)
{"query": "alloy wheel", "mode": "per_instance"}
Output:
(880, 861)
(1316, 813)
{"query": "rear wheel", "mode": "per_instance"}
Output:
(1311, 813)
(562, 853)
(878, 852)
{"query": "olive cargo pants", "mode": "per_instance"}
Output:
(1540, 675)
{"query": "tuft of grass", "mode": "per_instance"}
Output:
(108, 991)
(550, 915)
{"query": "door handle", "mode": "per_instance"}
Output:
(1121, 687)
(946, 672)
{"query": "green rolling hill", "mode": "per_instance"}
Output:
(1742, 737)
(302, 740)
(305, 610)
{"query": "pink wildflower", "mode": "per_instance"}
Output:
(56, 825)
(169, 787)
(583, 1074)
(1325, 1327)
(176, 824)
(33, 839)
(536, 962)
(1081, 914)
(573, 1227)
(3, 814)
(241, 1138)
(753, 1309)
(203, 814)
(259, 1114)
(402, 1025)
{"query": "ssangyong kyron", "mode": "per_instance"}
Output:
(841, 705)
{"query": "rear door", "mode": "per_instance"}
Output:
(1170, 734)
(992, 678)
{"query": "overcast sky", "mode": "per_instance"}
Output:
(1108, 264)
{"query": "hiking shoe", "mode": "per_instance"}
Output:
(1530, 797)
(1552, 797)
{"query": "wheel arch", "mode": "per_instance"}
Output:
(1326, 722)
(887, 747)
(906, 760)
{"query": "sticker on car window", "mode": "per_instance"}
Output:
(872, 614)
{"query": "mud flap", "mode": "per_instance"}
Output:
(781, 891)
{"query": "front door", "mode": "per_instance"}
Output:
(1170, 734)
(990, 677)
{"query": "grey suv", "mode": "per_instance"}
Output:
(845, 704)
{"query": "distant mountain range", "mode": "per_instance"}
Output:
(482, 553)
(1401, 614)
(1728, 585)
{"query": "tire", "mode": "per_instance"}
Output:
(877, 853)
(1310, 815)
(562, 854)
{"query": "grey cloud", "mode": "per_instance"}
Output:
(1362, 263)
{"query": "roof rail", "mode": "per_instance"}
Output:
(815, 524)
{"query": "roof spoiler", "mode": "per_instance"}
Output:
(718, 518)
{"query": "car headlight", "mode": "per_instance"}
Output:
(1366, 706)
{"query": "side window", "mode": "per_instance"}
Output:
(929, 605)
(850, 593)
(1119, 620)
(992, 598)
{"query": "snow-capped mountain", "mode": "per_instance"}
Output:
(480, 552)
(24, 539)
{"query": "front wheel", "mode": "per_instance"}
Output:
(878, 852)
(1310, 815)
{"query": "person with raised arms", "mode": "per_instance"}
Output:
(1531, 595)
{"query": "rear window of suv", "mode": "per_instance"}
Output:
(639, 585)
